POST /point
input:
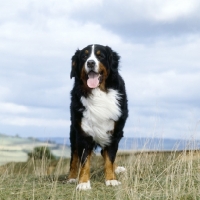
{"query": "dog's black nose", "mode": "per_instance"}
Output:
(90, 64)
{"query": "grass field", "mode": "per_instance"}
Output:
(150, 175)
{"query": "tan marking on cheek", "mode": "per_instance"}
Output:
(104, 75)
(109, 167)
(74, 166)
(83, 74)
(85, 170)
(84, 79)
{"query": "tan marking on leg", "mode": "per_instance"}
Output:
(84, 175)
(74, 167)
(109, 167)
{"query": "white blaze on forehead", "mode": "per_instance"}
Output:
(92, 57)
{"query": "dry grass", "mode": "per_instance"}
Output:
(150, 175)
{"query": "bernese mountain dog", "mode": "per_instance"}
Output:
(98, 112)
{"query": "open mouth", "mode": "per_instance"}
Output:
(93, 79)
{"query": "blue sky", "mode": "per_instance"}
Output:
(159, 44)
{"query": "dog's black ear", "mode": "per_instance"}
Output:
(113, 58)
(75, 62)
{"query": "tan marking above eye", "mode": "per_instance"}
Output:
(98, 52)
(73, 64)
(86, 51)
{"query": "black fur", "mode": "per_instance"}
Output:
(80, 141)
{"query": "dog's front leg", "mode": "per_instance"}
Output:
(72, 177)
(84, 153)
(110, 178)
(84, 175)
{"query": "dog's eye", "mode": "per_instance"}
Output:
(84, 56)
(100, 56)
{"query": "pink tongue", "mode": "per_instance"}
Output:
(93, 80)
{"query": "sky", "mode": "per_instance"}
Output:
(159, 45)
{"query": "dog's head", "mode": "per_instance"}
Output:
(94, 64)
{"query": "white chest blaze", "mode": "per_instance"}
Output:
(101, 111)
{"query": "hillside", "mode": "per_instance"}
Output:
(14, 149)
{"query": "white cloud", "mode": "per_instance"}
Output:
(12, 108)
(51, 37)
(25, 121)
(19, 115)
(166, 86)
(137, 10)
(172, 10)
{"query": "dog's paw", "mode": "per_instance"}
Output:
(83, 186)
(120, 170)
(72, 180)
(112, 182)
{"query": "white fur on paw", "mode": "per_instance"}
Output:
(83, 186)
(72, 180)
(112, 182)
(119, 170)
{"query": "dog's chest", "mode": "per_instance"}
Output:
(101, 111)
